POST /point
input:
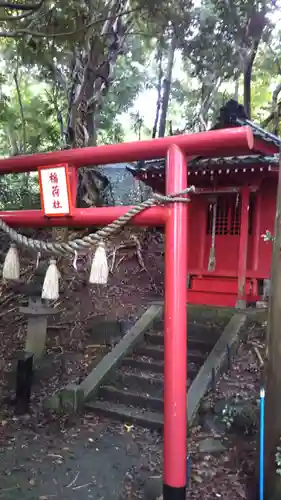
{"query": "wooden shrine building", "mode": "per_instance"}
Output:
(233, 205)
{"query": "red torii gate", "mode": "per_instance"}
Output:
(174, 216)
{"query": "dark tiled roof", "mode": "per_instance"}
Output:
(259, 133)
(233, 114)
(235, 160)
(158, 166)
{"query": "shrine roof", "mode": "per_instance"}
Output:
(237, 160)
(200, 162)
(231, 115)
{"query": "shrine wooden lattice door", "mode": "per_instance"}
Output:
(227, 231)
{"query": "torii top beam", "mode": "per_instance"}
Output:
(237, 140)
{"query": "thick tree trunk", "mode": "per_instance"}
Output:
(91, 74)
(92, 70)
(167, 86)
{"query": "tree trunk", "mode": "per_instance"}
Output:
(13, 140)
(91, 74)
(276, 109)
(254, 31)
(236, 90)
(159, 88)
(167, 86)
(247, 84)
(92, 70)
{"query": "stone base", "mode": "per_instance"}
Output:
(153, 488)
(71, 399)
(240, 304)
(261, 304)
(36, 336)
(105, 332)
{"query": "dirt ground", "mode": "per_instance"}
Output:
(46, 456)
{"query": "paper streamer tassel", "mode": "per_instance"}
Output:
(212, 260)
(11, 267)
(50, 290)
(99, 269)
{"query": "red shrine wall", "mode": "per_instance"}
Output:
(267, 221)
(219, 287)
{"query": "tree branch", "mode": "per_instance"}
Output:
(37, 34)
(159, 88)
(276, 60)
(21, 111)
(16, 6)
(19, 17)
(276, 108)
(270, 117)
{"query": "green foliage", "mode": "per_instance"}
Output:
(278, 460)
(42, 130)
(19, 191)
(228, 415)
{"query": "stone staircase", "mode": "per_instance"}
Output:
(134, 393)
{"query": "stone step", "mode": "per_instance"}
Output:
(147, 419)
(194, 330)
(143, 365)
(157, 353)
(139, 382)
(134, 393)
(125, 397)
(154, 366)
(203, 344)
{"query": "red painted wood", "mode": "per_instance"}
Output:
(175, 330)
(257, 234)
(84, 217)
(215, 285)
(252, 174)
(267, 221)
(218, 284)
(264, 147)
(73, 181)
(223, 273)
(243, 242)
(211, 299)
(230, 141)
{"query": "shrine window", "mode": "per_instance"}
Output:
(228, 215)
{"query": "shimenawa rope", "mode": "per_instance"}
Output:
(90, 240)
(99, 269)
